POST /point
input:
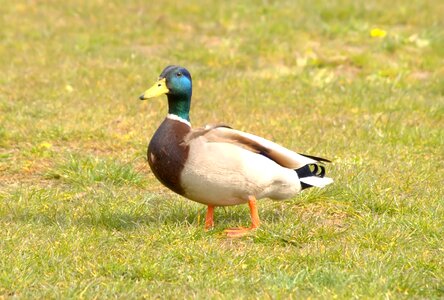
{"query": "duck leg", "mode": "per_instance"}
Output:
(241, 231)
(209, 218)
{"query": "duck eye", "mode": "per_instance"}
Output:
(178, 74)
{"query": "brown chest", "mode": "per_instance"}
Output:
(167, 153)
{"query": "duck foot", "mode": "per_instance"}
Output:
(242, 231)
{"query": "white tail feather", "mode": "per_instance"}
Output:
(317, 181)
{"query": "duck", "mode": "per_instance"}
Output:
(217, 165)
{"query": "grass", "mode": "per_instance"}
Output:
(81, 216)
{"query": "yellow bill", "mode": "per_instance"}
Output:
(159, 88)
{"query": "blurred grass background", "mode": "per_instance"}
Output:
(359, 82)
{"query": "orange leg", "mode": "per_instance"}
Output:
(255, 222)
(209, 218)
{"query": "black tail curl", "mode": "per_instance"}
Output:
(308, 171)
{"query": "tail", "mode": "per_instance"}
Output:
(313, 175)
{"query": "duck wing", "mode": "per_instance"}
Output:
(223, 134)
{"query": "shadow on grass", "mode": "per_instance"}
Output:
(292, 223)
(122, 219)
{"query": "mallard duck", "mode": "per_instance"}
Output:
(219, 166)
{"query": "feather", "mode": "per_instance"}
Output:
(320, 159)
(279, 154)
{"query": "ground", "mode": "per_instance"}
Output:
(359, 82)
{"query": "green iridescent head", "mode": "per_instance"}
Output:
(176, 83)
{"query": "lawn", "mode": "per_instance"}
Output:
(359, 82)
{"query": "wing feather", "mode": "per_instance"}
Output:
(256, 144)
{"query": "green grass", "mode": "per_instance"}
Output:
(82, 216)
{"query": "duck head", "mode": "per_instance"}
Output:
(175, 82)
